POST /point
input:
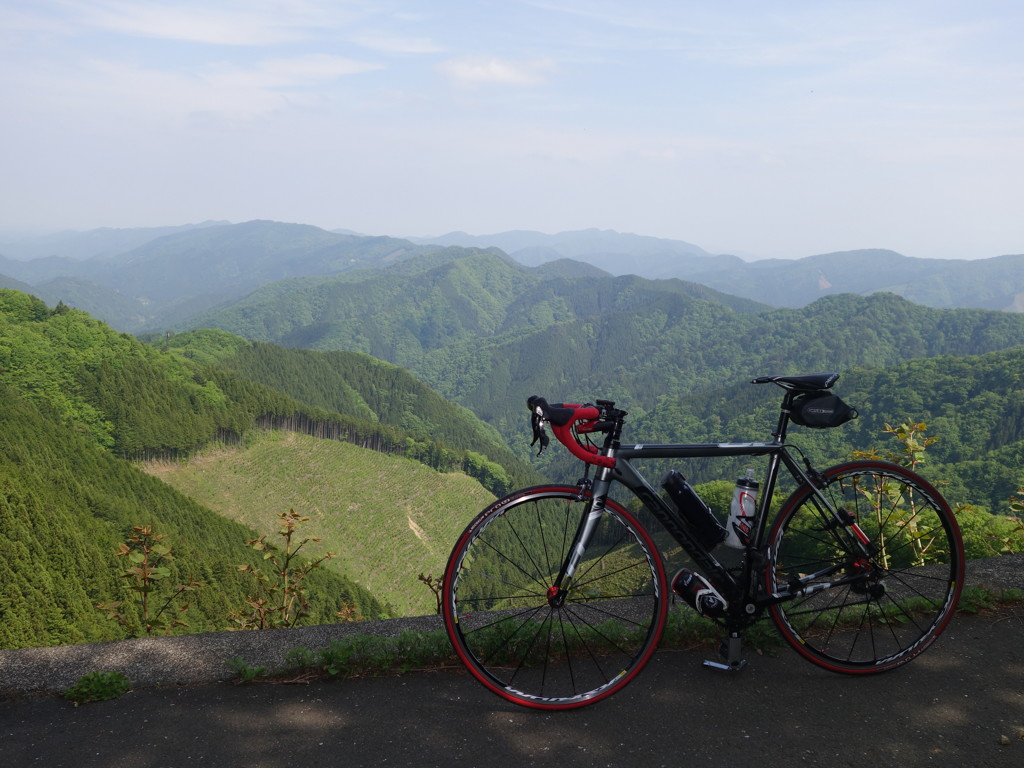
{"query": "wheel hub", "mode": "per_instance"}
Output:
(556, 596)
(870, 583)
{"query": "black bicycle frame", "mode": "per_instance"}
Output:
(624, 472)
(741, 592)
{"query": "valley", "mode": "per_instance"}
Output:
(377, 386)
(387, 519)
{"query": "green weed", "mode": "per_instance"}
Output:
(147, 558)
(245, 671)
(280, 599)
(97, 686)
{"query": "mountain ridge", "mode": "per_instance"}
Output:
(150, 284)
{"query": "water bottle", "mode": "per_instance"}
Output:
(698, 516)
(742, 511)
(698, 592)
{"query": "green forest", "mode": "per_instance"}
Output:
(81, 404)
(66, 505)
(428, 357)
(487, 333)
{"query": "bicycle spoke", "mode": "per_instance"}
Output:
(877, 612)
(552, 648)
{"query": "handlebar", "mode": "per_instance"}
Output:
(569, 419)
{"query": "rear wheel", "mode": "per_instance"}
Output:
(532, 643)
(863, 612)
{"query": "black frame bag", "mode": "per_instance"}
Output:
(820, 410)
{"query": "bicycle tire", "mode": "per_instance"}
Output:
(880, 612)
(544, 653)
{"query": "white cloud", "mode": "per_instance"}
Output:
(482, 70)
(235, 22)
(298, 71)
(641, 116)
(392, 44)
(104, 94)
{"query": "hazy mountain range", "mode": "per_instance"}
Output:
(426, 351)
(148, 279)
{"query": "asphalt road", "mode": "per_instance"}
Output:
(960, 704)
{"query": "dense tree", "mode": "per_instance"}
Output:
(66, 504)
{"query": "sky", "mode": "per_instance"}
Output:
(765, 129)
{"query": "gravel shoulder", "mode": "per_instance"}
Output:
(203, 658)
(959, 704)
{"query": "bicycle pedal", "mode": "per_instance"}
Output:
(732, 651)
(726, 667)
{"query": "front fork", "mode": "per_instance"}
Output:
(558, 591)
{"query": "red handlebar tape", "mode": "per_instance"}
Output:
(587, 453)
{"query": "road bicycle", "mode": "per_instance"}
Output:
(556, 596)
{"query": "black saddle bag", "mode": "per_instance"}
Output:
(820, 410)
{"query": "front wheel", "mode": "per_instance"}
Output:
(871, 602)
(531, 642)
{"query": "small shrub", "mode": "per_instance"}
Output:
(280, 600)
(434, 584)
(97, 686)
(245, 671)
(348, 613)
(147, 556)
(976, 600)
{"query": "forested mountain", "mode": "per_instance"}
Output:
(92, 244)
(458, 296)
(232, 260)
(487, 333)
(143, 403)
(79, 398)
(124, 395)
(66, 505)
(990, 283)
(614, 252)
(180, 274)
(14, 285)
(159, 278)
(996, 283)
(366, 390)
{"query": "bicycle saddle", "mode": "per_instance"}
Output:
(805, 383)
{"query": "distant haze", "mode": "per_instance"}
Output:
(776, 130)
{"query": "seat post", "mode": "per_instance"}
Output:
(780, 429)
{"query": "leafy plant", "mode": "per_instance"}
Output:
(895, 503)
(245, 671)
(976, 599)
(147, 558)
(348, 613)
(97, 686)
(280, 599)
(1012, 540)
(912, 442)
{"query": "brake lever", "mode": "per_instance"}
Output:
(537, 422)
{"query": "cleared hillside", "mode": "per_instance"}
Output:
(387, 518)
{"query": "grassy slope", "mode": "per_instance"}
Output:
(388, 519)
